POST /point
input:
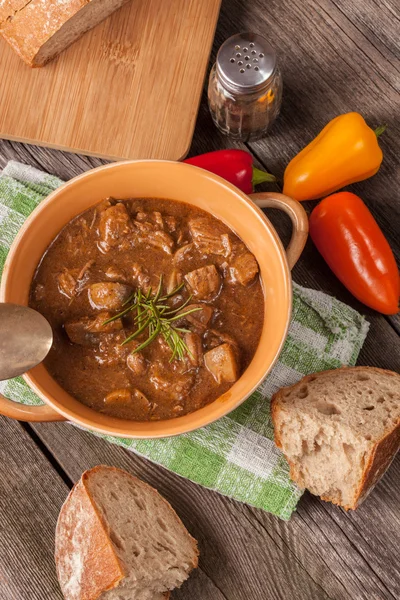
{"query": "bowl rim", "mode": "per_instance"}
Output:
(80, 420)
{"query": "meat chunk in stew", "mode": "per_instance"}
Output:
(108, 296)
(195, 349)
(136, 362)
(204, 282)
(174, 280)
(85, 331)
(159, 240)
(113, 227)
(208, 238)
(114, 274)
(72, 281)
(126, 397)
(142, 279)
(149, 221)
(184, 252)
(222, 364)
(151, 231)
(67, 282)
(174, 386)
(244, 269)
(214, 338)
(120, 396)
(199, 320)
(171, 224)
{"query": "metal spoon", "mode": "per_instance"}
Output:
(25, 339)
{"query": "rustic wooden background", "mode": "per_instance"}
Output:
(336, 56)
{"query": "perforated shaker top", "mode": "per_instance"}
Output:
(246, 62)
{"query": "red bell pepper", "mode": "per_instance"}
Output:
(236, 166)
(351, 242)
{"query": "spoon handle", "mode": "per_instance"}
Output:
(23, 412)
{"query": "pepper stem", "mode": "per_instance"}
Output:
(379, 130)
(261, 176)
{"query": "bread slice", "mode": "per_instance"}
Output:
(339, 431)
(118, 539)
(39, 30)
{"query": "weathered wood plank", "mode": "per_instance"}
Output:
(374, 529)
(336, 57)
(243, 547)
(201, 587)
(395, 322)
(377, 21)
(243, 562)
(31, 495)
(63, 164)
(330, 66)
(379, 351)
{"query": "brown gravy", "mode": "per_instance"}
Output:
(92, 271)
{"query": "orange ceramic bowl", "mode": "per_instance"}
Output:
(160, 179)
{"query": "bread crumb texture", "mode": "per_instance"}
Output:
(147, 550)
(339, 430)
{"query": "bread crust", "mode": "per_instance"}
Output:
(104, 570)
(27, 26)
(379, 459)
(76, 582)
(382, 455)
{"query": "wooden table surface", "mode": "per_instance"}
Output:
(336, 56)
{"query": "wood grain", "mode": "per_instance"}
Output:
(331, 66)
(244, 549)
(130, 88)
(31, 495)
(336, 56)
(234, 554)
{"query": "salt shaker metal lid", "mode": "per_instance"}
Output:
(245, 63)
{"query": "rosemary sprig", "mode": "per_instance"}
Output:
(157, 317)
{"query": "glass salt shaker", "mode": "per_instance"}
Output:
(245, 87)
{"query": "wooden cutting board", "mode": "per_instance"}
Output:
(130, 88)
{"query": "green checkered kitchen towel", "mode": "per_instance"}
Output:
(235, 456)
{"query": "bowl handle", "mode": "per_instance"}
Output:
(23, 412)
(297, 215)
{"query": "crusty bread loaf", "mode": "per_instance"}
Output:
(339, 431)
(39, 30)
(118, 539)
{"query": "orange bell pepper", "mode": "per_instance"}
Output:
(353, 245)
(345, 151)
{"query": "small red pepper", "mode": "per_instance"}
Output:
(353, 245)
(236, 166)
